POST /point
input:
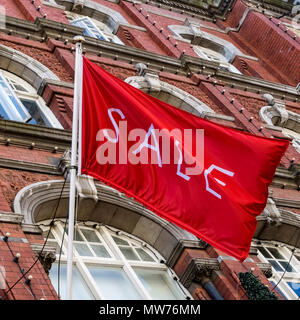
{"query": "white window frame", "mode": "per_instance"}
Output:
(206, 54)
(94, 32)
(8, 106)
(29, 94)
(286, 252)
(117, 259)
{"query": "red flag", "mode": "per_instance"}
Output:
(217, 198)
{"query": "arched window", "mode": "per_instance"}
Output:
(285, 267)
(19, 101)
(208, 46)
(111, 264)
(93, 27)
(215, 56)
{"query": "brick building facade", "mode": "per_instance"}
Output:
(234, 62)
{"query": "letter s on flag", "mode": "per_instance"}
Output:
(221, 204)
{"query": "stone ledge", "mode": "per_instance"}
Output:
(10, 217)
(181, 246)
(31, 228)
(29, 166)
(22, 134)
(44, 28)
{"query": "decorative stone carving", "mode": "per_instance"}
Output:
(274, 108)
(197, 269)
(140, 69)
(46, 257)
(65, 161)
(272, 213)
(86, 187)
(276, 114)
(151, 76)
(78, 5)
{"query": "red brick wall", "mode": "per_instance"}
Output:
(12, 9)
(40, 284)
(279, 51)
(12, 181)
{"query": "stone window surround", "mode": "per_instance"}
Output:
(104, 29)
(31, 94)
(148, 81)
(102, 204)
(25, 67)
(207, 40)
(96, 11)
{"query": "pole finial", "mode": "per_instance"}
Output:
(79, 39)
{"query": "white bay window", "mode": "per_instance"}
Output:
(285, 267)
(112, 265)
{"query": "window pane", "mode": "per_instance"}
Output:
(295, 287)
(38, 117)
(11, 107)
(144, 255)
(264, 252)
(80, 290)
(3, 114)
(129, 253)
(278, 290)
(286, 266)
(276, 253)
(113, 283)
(275, 265)
(100, 251)
(90, 235)
(83, 249)
(77, 235)
(119, 241)
(19, 87)
(156, 284)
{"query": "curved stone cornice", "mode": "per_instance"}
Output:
(24, 66)
(150, 82)
(287, 231)
(207, 40)
(37, 202)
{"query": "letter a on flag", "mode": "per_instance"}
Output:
(216, 197)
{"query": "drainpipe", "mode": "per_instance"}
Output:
(211, 289)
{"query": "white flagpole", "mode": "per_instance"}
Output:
(76, 107)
